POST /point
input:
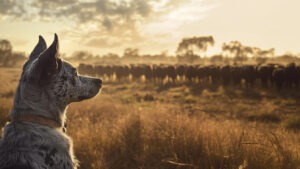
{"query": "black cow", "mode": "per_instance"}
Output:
(249, 75)
(122, 72)
(171, 73)
(291, 75)
(279, 74)
(180, 71)
(225, 72)
(265, 74)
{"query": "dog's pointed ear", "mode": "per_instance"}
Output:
(48, 59)
(47, 64)
(39, 48)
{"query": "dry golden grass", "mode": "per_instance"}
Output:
(9, 79)
(131, 126)
(161, 136)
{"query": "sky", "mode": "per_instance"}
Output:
(152, 26)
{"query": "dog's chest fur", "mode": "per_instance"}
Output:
(36, 146)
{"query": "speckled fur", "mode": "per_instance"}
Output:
(47, 86)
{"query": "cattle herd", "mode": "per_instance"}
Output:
(265, 75)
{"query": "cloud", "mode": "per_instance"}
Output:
(12, 8)
(111, 13)
(104, 23)
(108, 12)
(103, 42)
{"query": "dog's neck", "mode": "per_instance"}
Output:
(28, 115)
(36, 106)
(38, 120)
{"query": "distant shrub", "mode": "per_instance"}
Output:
(190, 99)
(148, 97)
(8, 94)
(293, 124)
(265, 117)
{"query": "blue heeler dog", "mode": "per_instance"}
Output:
(34, 137)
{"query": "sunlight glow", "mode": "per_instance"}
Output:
(267, 24)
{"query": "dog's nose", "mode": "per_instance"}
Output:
(98, 82)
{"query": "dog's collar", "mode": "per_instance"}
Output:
(39, 120)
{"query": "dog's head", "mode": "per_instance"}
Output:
(49, 83)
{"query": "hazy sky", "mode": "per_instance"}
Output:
(153, 26)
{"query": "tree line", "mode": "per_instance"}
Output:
(193, 50)
(190, 50)
(8, 57)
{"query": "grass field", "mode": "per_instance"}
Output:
(148, 126)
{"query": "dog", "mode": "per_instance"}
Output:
(34, 137)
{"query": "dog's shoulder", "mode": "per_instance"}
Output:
(36, 145)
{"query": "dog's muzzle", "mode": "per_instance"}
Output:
(98, 82)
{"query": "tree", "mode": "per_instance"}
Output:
(261, 56)
(164, 54)
(131, 53)
(111, 56)
(189, 47)
(241, 53)
(81, 55)
(17, 58)
(258, 52)
(237, 51)
(215, 59)
(5, 52)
